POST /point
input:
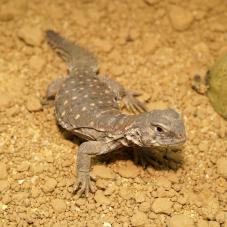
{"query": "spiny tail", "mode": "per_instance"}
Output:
(75, 56)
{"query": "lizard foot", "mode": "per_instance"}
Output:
(83, 184)
(162, 159)
(133, 104)
(47, 102)
(143, 158)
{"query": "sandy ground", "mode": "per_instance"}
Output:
(151, 46)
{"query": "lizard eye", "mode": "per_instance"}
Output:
(159, 129)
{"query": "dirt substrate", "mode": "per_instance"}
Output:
(151, 46)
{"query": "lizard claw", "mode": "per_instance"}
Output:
(83, 184)
(134, 104)
(142, 158)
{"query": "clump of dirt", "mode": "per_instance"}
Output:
(151, 46)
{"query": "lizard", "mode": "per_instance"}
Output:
(87, 105)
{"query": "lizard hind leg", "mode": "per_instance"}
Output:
(52, 90)
(54, 87)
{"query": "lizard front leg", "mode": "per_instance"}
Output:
(86, 151)
(127, 98)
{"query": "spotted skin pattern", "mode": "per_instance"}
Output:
(87, 105)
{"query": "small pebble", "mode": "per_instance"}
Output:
(3, 171)
(49, 185)
(139, 219)
(222, 167)
(162, 206)
(102, 171)
(103, 45)
(33, 104)
(20, 196)
(24, 166)
(181, 221)
(210, 208)
(150, 45)
(202, 223)
(31, 35)
(58, 205)
(37, 63)
(180, 18)
(163, 182)
(4, 185)
(128, 171)
(101, 198)
(5, 101)
(214, 224)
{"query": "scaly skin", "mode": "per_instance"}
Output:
(88, 106)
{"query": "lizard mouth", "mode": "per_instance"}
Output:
(171, 144)
(178, 143)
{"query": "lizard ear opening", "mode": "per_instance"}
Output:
(134, 136)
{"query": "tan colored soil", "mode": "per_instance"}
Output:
(151, 46)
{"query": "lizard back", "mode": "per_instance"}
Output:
(83, 101)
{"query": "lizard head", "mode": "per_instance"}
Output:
(162, 128)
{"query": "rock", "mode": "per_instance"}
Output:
(103, 172)
(128, 171)
(3, 171)
(49, 185)
(181, 221)
(222, 167)
(139, 219)
(31, 35)
(37, 63)
(58, 205)
(162, 205)
(180, 18)
(101, 198)
(33, 104)
(202, 223)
